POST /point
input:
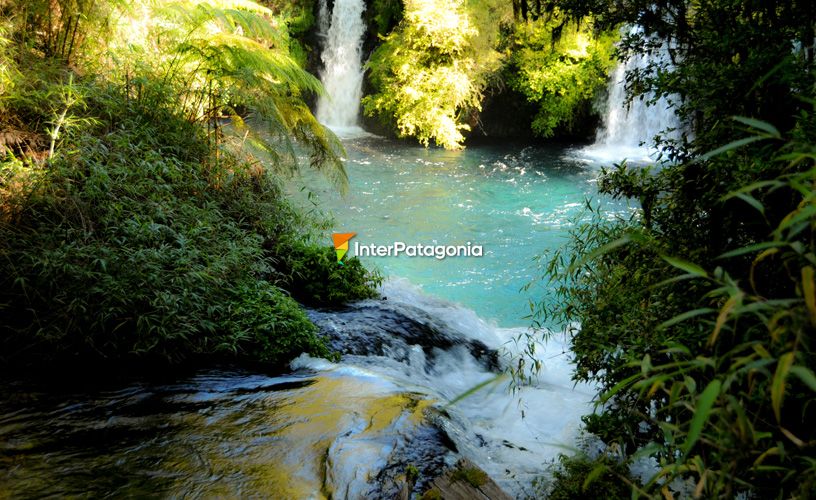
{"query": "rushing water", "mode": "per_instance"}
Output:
(629, 127)
(350, 429)
(342, 75)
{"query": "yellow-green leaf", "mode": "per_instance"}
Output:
(809, 291)
(686, 266)
(723, 316)
(783, 367)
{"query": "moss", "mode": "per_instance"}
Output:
(411, 473)
(432, 494)
(471, 475)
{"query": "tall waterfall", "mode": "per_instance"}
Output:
(628, 131)
(342, 75)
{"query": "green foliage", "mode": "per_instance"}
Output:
(562, 76)
(314, 276)
(695, 315)
(728, 58)
(713, 357)
(431, 71)
(124, 248)
(268, 325)
(227, 62)
(140, 209)
(580, 477)
(386, 14)
(411, 473)
(232, 62)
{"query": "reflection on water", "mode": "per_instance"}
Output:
(220, 433)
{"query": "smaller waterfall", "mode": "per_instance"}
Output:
(628, 131)
(342, 75)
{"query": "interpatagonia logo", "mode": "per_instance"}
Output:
(341, 245)
(398, 248)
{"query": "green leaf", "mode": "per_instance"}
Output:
(603, 249)
(759, 125)
(753, 187)
(594, 474)
(686, 315)
(617, 387)
(476, 388)
(751, 249)
(732, 145)
(686, 266)
(701, 414)
(809, 291)
(805, 375)
(747, 198)
(783, 367)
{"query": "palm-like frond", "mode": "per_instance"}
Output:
(236, 63)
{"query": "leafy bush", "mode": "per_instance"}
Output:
(580, 477)
(139, 211)
(431, 71)
(123, 247)
(314, 276)
(709, 370)
(561, 75)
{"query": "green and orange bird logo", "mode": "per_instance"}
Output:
(341, 244)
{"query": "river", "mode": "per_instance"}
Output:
(350, 429)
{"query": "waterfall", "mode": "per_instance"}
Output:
(628, 131)
(342, 74)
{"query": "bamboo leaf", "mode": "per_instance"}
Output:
(759, 125)
(783, 367)
(747, 198)
(617, 387)
(723, 316)
(594, 474)
(686, 266)
(809, 291)
(686, 315)
(476, 388)
(805, 375)
(752, 248)
(602, 250)
(701, 414)
(732, 145)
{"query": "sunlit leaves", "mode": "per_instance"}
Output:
(560, 75)
(430, 72)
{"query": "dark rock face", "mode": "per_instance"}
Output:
(372, 328)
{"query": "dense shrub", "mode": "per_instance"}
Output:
(124, 247)
(696, 315)
(314, 276)
(140, 196)
(430, 72)
(580, 477)
(561, 74)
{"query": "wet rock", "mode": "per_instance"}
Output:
(375, 328)
(465, 481)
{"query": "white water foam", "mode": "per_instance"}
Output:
(512, 436)
(629, 130)
(342, 75)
